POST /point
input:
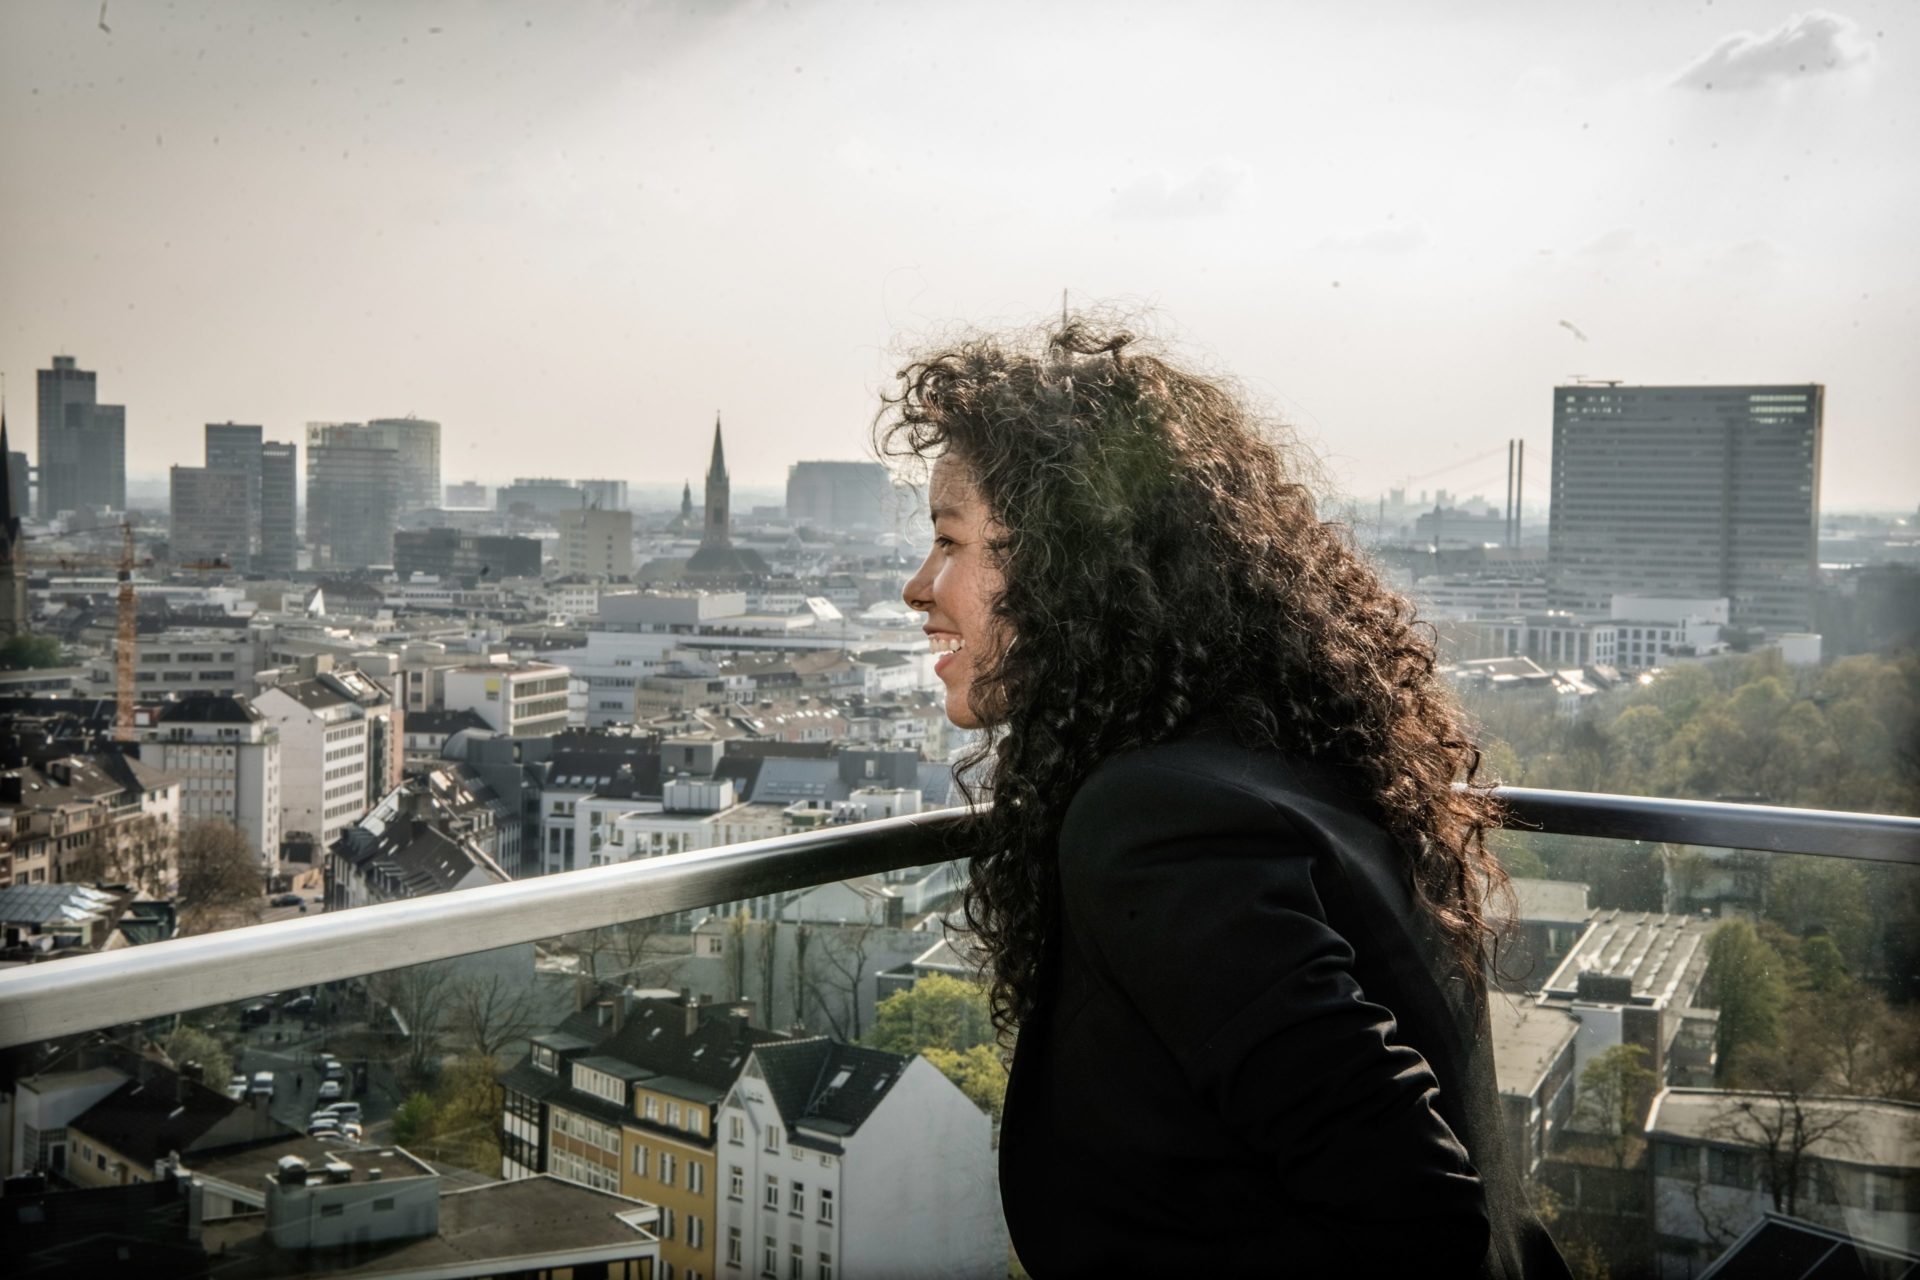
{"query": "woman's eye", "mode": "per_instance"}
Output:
(943, 542)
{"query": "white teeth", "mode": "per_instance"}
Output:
(945, 644)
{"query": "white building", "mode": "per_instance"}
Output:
(853, 1162)
(521, 700)
(611, 665)
(1853, 1164)
(227, 758)
(595, 544)
(338, 750)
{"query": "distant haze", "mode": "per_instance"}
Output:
(572, 231)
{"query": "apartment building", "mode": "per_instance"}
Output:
(100, 818)
(826, 1151)
(227, 758)
(622, 1097)
(339, 749)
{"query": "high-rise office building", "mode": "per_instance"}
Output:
(416, 446)
(234, 447)
(1687, 492)
(212, 516)
(838, 495)
(83, 443)
(279, 507)
(353, 495)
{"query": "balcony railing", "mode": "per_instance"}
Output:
(41, 1002)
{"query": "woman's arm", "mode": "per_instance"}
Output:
(1195, 898)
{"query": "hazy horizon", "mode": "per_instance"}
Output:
(570, 233)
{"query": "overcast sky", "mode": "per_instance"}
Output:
(572, 231)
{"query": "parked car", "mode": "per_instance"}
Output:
(332, 1068)
(263, 1083)
(287, 900)
(237, 1086)
(329, 1090)
(256, 1015)
(341, 1111)
(299, 1004)
(320, 1126)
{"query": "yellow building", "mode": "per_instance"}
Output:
(669, 1162)
(622, 1098)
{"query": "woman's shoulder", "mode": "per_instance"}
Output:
(1207, 764)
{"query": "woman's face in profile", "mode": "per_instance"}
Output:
(956, 586)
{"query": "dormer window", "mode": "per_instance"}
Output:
(545, 1059)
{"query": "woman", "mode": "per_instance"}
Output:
(1227, 891)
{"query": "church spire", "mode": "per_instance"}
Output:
(718, 530)
(717, 469)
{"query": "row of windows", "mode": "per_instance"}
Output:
(693, 1119)
(770, 1258)
(588, 1173)
(770, 1195)
(668, 1166)
(591, 1132)
(696, 1228)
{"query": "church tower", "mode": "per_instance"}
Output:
(14, 614)
(686, 505)
(718, 531)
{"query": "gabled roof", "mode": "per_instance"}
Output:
(826, 1086)
(144, 1120)
(702, 1065)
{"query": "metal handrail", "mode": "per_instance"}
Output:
(81, 993)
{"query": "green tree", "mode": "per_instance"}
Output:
(1748, 986)
(1808, 895)
(25, 651)
(1616, 1087)
(413, 1119)
(186, 1044)
(979, 1073)
(937, 1012)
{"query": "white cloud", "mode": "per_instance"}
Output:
(1157, 195)
(1392, 237)
(1807, 44)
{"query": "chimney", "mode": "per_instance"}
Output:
(582, 989)
(693, 1014)
(620, 1011)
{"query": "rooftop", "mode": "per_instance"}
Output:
(1527, 1037)
(500, 1221)
(1875, 1132)
(1661, 956)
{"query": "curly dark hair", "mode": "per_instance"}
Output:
(1161, 564)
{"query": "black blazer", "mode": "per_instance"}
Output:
(1251, 1054)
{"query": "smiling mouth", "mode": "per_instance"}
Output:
(946, 644)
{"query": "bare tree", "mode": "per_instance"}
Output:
(491, 1012)
(837, 961)
(734, 954)
(418, 996)
(220, 883)
(629, 952)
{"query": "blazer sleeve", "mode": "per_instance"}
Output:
(1196, 899)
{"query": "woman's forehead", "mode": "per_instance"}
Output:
(950, 489)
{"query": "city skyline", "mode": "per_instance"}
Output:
(593, 226)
